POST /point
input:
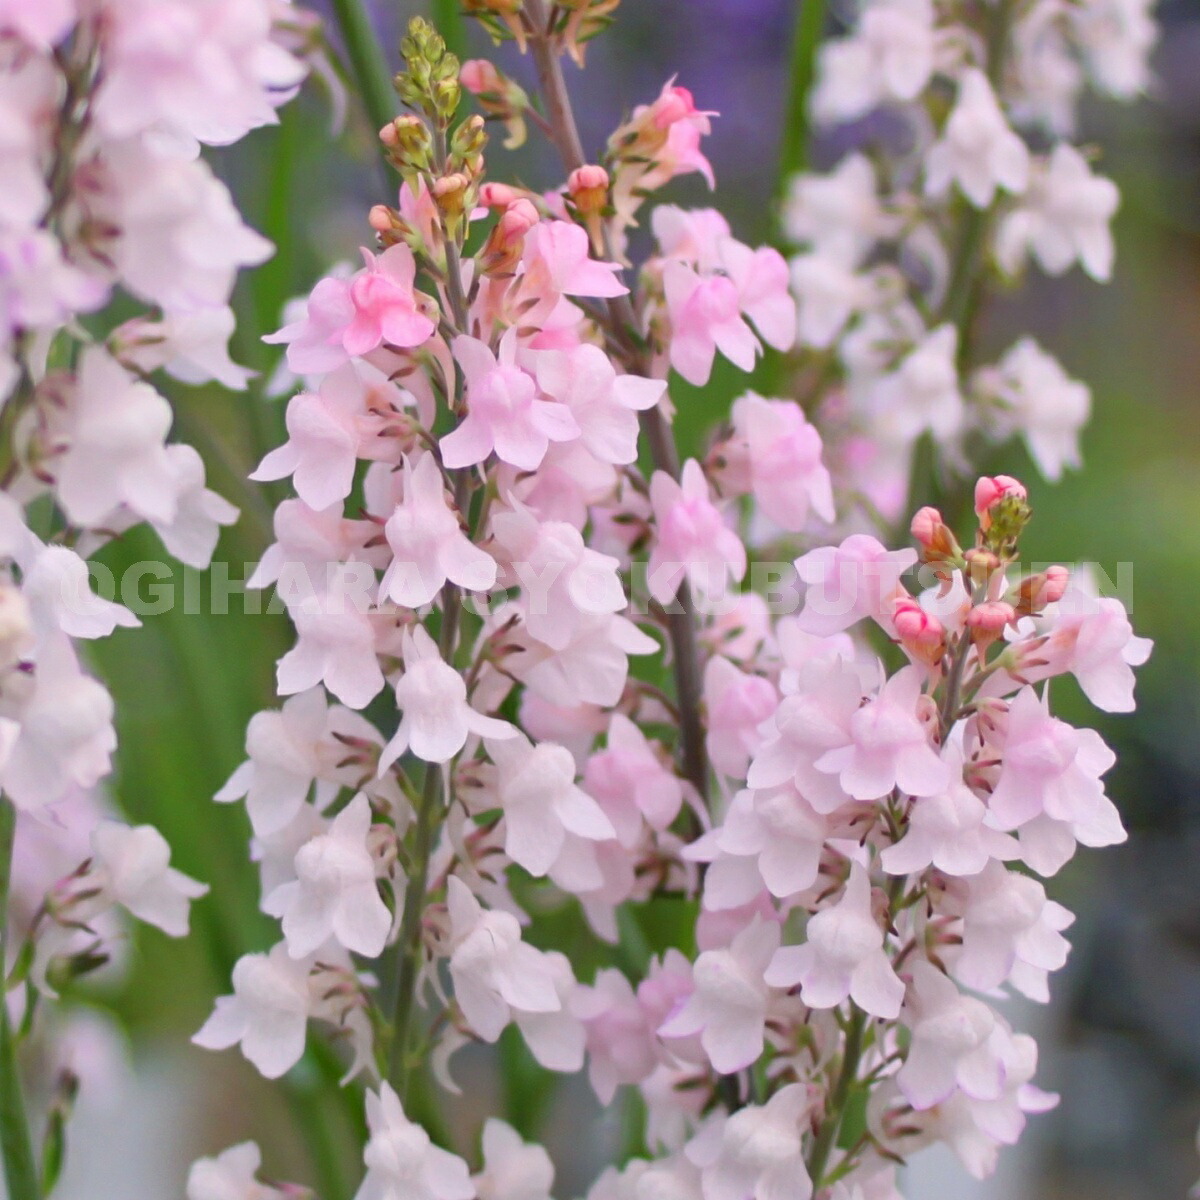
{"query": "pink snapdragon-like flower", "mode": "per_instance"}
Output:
(436, 716)
(401, 1160)
(604, 404)
(957, 1042)
(334, 892)
(513, 1169)
(738, 703)
(386, 308)
(428, 544)
(631, 783)
(329, 431)
(504, 411)
(42, 22)
(694, 542)
(783, 461)
(558, 262)
(535, 786)
(315, 341)
(849, 582)
(1049, 788)
(493, 971)
(889, 745)
(729, 1005)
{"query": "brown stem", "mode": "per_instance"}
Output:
(623, 323)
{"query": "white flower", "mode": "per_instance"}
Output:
(267, 1013)
(493, 971)
(512, 1168)
(1042, 403)
(1063, 217)
(978, 150)
(1117, 37)
(402, 1163)
(230, 1176)
(131, 868)
(838, 214)
(334, 893)
(922, 393)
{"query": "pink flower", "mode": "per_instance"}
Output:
(558, 261)
(512, 1169)
(783, 454)
(763, 284)
(42, 22)
(705, 317)
(631, 784)
(843, 957)
(436, 716)
(315, 342)
(729, 1006)
(849, 582)
(693, 538)
(1049, 788)
(737, 705)
(889, 745)
(991, 489)
(386, 309)
(504, 413)
(604, 404)
(428, 544)
(328, 431)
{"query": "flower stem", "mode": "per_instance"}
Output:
(20, 1171)
(835, 1111)
(367, 62)
(797, 124)
(681, 624)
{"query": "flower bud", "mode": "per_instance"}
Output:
(507, 239)
(920, 633)
(982, 564)
(1002, 508)
(1037, 591)
(987, 621)
(934, 536)
(498, 195)
(588, 189)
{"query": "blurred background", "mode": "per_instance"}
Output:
(1121, 1041)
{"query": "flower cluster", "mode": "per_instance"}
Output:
(105, 207)
(971, 179)
(492, 549)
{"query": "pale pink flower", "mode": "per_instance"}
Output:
(555, 1039)
(504, 412)
(387, 311)
(402, 1163)
(315, 341)
(1049, 787)
(513, 1169)
(783, 453)
(728, 1008)
(922, 393)
(694, 541)
(763, 282)
(328, 431)
(948, 831)
(839, 213)
(1091, 638)
(706, 316)
(849, 582)
(843, 957)
(115, 453)
(334, 892)
(889, 745)
(978, 149)
(436, 717)
(267, 1014)
(335, 638)
(42, 22)
(604, 404)
(760, 1155)
(558, 262)
(620, 1037)
(956, 1042)
(191, 347)
(39, 289)
(737, 704)
(535, 786)
(493, 971)
(428, 544)
(564, 583)
(630, 782)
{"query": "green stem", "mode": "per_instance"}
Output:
(835, 1111)
(20, 1170)
(367, 61)
(447, 18)
(797, 124)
